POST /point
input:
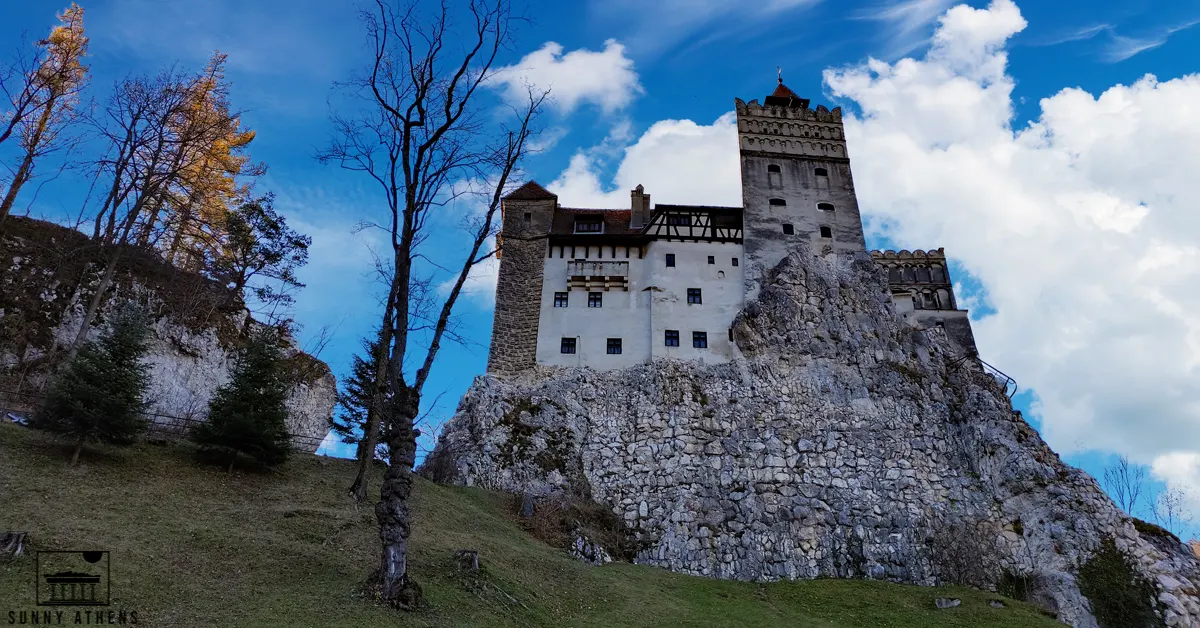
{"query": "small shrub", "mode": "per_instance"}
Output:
(438, 467)
(962, 553)
(555, 518)
(1014, 586)
(1150, 529)
(1120, 596)
(98, 396)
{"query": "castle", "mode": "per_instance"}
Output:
(611, 288)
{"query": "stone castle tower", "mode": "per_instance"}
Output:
(526, 217)
(795, 179)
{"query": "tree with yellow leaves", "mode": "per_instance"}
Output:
(45, 105)
(214, 175)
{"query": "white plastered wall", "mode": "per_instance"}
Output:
(655, 302)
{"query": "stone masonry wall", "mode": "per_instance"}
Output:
(842, 443)
(519, 285)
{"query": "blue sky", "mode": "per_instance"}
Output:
(641, 88)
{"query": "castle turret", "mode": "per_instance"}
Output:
(526, 216)
(796, 181)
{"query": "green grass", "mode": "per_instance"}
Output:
(192, 546)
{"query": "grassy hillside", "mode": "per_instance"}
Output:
(193, 546)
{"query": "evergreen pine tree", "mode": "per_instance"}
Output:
(247, 415)
(99, 394)
(354, 399)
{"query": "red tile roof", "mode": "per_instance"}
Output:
(530, 192)
(782, 91)
(616, 221)
(785, 97)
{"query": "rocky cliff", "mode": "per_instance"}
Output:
(841, 443)
(48, 273)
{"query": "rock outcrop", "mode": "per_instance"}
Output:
(47, 275)
(841, 443)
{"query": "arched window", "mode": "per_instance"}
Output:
(916, 302)
(777, 202)
(944, 299)
(825, 207)
(938, 274)
(821, 172)
(894, 274)
(822, 176)
(922, 274)
(908, 275)
(930, 300)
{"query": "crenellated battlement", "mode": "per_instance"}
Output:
(906, 255)
(799, 111)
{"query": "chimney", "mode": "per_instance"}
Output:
(640, 204)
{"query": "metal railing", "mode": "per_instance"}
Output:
(162, 426)
(1009, 384)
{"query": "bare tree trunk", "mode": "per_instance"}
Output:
(143, 239)
(395, 585)
(25, 172)
(177, 240)
(89, 317)
(78, 448)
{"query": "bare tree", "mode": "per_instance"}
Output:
(44, 106)
(1170, 511)
(1125, 482)
(423, 128)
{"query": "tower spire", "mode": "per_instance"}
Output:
(779, 74)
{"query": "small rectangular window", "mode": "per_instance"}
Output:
(560, 299)
(712, 259)
(567, 346)
(826, 232)
(788, 229)
(700, 339)
(672, 338)
(614, 346)
(821, 172)
(777, 202)
(679, 220)
(693, 296)
(595, 299)
(730, 334)
(670, 260)
(735, 261)
(528, 217)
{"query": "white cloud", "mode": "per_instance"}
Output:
(654, 27)
(605, 78)
(677, 161)
(1081, 226)
(907, 22)
(1122, 47)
